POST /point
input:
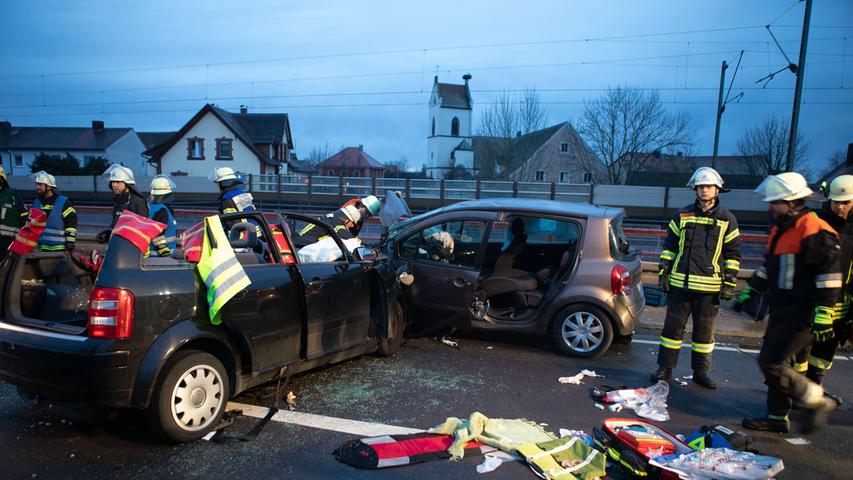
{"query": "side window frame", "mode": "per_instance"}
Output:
(288, 233)
(478, 260)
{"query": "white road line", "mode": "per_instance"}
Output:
(343, 425)
(723, 348)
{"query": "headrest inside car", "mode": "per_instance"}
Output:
(243, 235)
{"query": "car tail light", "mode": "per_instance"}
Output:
(620, 280)
(110, 313)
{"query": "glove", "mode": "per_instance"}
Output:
(727, 292)
(745, 295)
(104, 236)
(822, 329)
(663, 276)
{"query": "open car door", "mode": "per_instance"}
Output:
(444, 255)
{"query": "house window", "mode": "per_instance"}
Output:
(433, 127)
(331, 173)
(355, 173)
(565, 177)
(540, 176)
(19, 160)
(587, 177)
(454, 127)
(195, 148)
(223, 149)
(564, 147)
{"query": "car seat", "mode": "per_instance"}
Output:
(243, 238)
(522, 285)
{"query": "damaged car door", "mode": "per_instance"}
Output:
(445, 259)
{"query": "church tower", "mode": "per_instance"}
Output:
(449, 135)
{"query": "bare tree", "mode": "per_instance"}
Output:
(508, 117)
(321, 152)
(835, 160)
(400, 165)
(764, 148)
(626, 127)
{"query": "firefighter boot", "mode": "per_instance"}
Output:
(817, 413)
(662, 373)
(770, 423)
(703, 380)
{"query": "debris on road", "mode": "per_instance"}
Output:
(721, 463)
(798, 441)
(646, 402)
(291, 401)
(490, 463)
(576, 379)
(449, 342)
(397, 450)
(504, 434)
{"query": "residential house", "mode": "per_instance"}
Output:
(301, 167)
(352, 162)
(19, 146)
(556, 154)
(664, 170)
(449, 138)
(250, 143)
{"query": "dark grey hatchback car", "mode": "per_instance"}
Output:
(535, 266)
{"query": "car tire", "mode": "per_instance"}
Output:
(199, 379)
(396, 333)
(582, 331)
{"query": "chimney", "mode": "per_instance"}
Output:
(466, 77)
(435, 79)
(97, 125)
(361, 147)
(244, 109)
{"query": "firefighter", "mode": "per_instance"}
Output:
(13, 213)
(815, 361)
(367, 207)
(802, 279)
(698, 266)
(126, 197)
(60, 231)
(232, 198)
(160, 210)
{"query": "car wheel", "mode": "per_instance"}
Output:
(396, 328)
(190, 398)
(582, 331)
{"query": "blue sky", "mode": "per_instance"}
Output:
(352, 73)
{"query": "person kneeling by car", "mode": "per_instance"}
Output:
(702, 240)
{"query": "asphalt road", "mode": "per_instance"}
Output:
(426, 382)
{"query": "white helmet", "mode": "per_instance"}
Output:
(841, 189)
(221, 174)
(784, 186)
(45, 178)
(119, 173)
(162, 185)
(352, 213)
(705, 176)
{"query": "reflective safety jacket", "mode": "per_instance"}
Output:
(131, 201)
(218, 267)
(566, 458)
(801, 272)
(236, 200)
(60, 232)
(165, 244)
(702, 249)
(841, 312)
(13, 212)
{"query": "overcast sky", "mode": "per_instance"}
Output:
(352, 73)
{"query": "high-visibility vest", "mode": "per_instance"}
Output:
(27, 237)
(218, 266)
(54, 231)
(566, 458)
(171, 232)
(10, 218)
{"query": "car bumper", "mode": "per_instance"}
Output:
(628, 311)
(65, 369)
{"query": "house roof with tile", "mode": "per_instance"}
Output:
(351, 157)
(58, 138)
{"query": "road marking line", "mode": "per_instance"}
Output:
(723, 348)
(343, 425)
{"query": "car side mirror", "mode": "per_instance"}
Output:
(365, 254)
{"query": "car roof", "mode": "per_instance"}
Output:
(528, 205)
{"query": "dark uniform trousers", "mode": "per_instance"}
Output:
(783, 340)
(703, 307)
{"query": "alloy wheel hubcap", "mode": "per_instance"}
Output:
(197, 398)
(582, 331)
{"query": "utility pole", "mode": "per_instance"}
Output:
(720, 108)
(800, 70)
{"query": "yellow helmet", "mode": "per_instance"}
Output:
(3, 174)
(841, 189)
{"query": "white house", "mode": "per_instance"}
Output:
(449, 139)
(250, 143)
(19, 146)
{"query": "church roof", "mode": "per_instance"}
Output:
(453, 95)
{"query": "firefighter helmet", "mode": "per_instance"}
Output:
(371, 203)
(222, 174)
(162, 185)
(705, 176)
(786, 186)
(351, 213)
(841, 189)
(45, 178)
(120, 173)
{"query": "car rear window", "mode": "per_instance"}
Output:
(619, 246)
